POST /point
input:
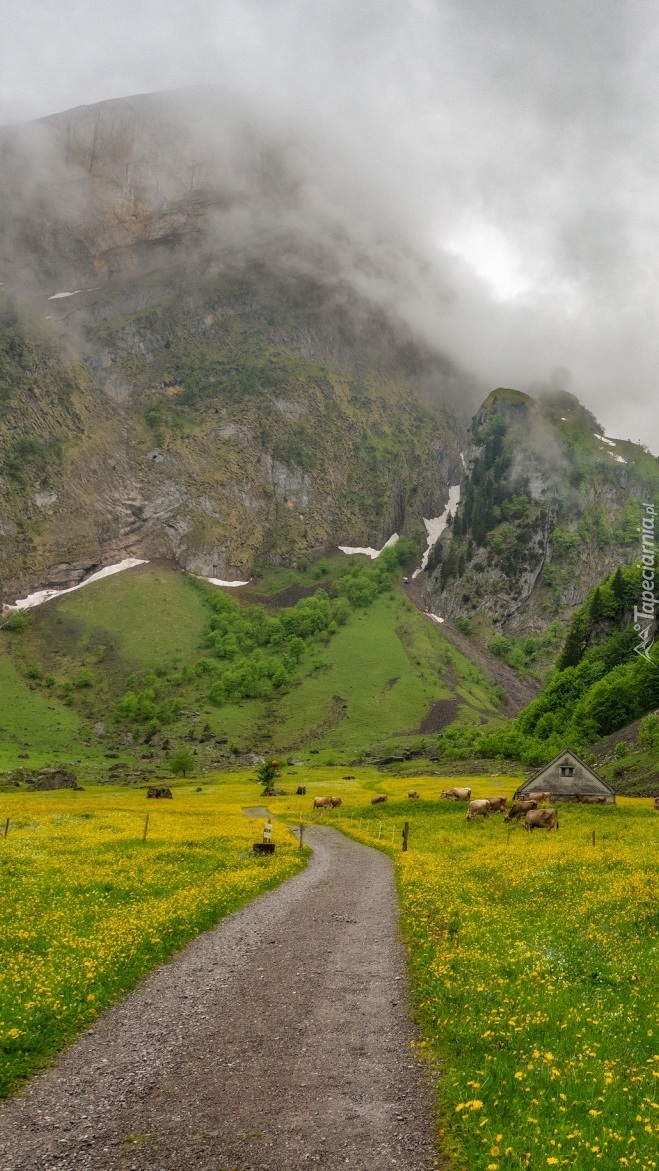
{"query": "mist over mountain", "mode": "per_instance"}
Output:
(199, 307)
(511, 149)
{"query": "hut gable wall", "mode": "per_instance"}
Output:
(567, 777)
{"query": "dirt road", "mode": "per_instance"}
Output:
(519, 690)
(279, 1040)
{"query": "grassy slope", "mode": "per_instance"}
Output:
(51, 731)
(388, 664)
(152, 616)
(125, 623)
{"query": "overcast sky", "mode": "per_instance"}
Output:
(514, 143)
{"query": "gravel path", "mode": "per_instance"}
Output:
(279, 1041)
(519, 690)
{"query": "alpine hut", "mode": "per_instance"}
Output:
(567, 778)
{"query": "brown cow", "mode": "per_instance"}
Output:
(479, 807)
(378, 799)
(456, 794)
(322, 802)
(498, 804)
(412, 793)
(334, 802)
(541, 819)
(656, 804)
(588, 799)
(537, 795)
(518, 808)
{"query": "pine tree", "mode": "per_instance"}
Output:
(596, 606)
(618, 589)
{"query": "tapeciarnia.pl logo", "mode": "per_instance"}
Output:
(644, 616)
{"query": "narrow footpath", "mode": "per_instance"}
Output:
(519, 690)
(280, 1040)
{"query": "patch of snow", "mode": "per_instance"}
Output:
(232, 584)
(603, 439)
(464, 462)
(41, 596)
(58, 296)
(436, 525)
(617, 458)
(372, 553)
(563, 419)
(435, 617)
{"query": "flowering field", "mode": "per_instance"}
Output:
(535, 962)
(87, 907)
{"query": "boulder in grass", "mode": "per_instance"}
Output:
(158, 791)
(53, 778)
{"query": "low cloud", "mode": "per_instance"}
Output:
(488, 170)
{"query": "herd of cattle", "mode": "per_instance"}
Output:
(534, 818)
(526, 807)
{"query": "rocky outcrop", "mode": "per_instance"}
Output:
(43, 779)
(195, 380)
(549, 507)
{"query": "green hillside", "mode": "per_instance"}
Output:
(32, 722)
(332, 658)
(593, 700)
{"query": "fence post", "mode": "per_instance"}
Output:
(6, 827)
(406, 831)
(593, 837)
(301, 835)
(379, 829)
(146, 826)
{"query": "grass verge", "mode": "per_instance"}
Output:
(88, 908)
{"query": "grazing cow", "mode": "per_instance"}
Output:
(412, 793)
(322, 802)
(520, 808)
(541, 819)
(498, 804)
(378, 799)
(334, 802)
(537, 795)
(457, 794)
(656, 804)
(479, 807)
(585, 799)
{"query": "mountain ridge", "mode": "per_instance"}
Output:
(172, 249)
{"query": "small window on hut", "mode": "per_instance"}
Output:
(567, 770)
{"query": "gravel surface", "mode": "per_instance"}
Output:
(279, 1040)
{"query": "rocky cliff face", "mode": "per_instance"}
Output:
(195, 378)
(549, 507)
